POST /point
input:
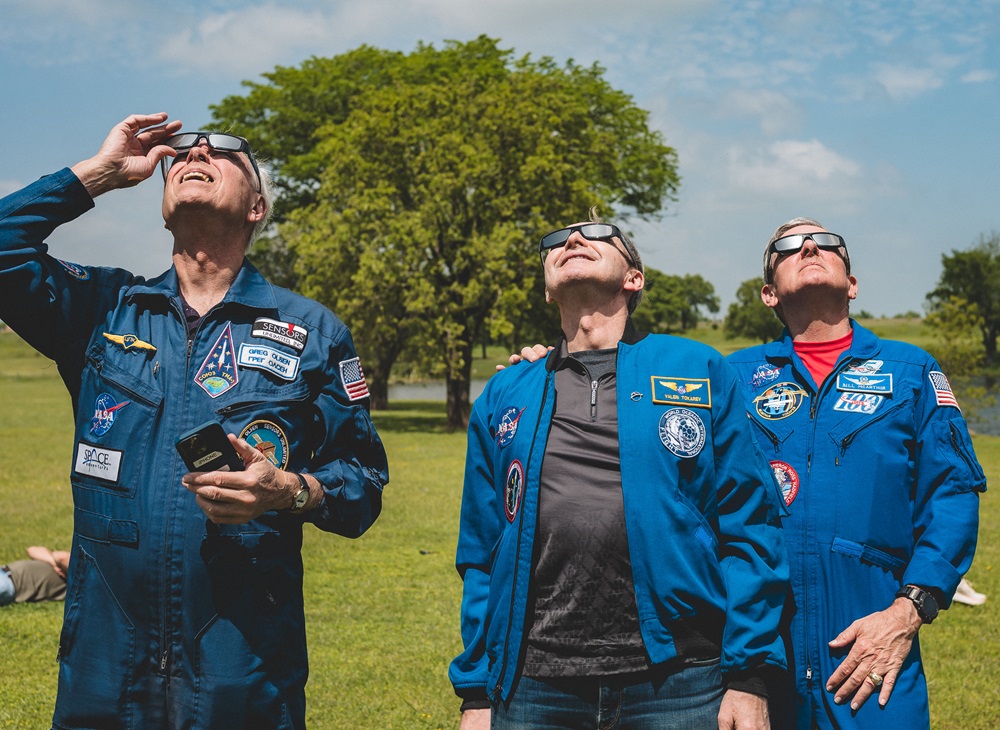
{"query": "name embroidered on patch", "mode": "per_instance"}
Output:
(93, 461)
(693, 392)
(779, 401)
(513, 490)
(262, 357)
(942, 389)
(865, 383)
(105, 412)
(218, 373)
(286, 333)
(268, 439)
(129, 342)
(682, 432)
(866, 403)
(353, 378)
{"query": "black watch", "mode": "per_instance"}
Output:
(927, 608)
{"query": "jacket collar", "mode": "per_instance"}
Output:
(556, 357)
(250, 289)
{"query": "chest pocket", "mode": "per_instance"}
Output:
(770, 435)
(891, 426)
(116, 412)
(276, 420)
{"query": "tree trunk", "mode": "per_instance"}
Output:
(989, 345)
(458, 383)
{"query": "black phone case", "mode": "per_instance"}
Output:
(206, 448)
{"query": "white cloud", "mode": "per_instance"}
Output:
(906, 83)
(979, 76)
(775, 112)
(793, 168)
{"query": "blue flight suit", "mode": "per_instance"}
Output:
(882, 483)
(172, 621)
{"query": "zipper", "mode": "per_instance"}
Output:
(961, 451)
(849, 438)
(593, 400)
(517, 548)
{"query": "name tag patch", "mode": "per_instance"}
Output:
(262, 357)
(859, 383)
(694, 392)
(93, 461)
(866, 403)
(284, 332)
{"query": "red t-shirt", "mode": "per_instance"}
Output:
(820, 357)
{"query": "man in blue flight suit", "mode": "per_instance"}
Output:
(620, 540)
(184, 606)
(866, 438)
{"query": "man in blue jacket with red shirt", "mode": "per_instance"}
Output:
(878, 472)
(620, 540)
(184, 604)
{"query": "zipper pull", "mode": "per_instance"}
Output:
(163, 660)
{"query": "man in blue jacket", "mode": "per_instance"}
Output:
(867, 441)
(620, 543)
(184, 604)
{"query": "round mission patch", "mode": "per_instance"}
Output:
(268, 439)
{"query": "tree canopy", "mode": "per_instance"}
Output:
(414, 187)
(748, 316)
(673, 303)
(973, 277)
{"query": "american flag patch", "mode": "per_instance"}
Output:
(942, 389)
(353, 378)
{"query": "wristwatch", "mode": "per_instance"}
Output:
(301, 496)
(927, 608)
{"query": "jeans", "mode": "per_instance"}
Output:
(654, 700)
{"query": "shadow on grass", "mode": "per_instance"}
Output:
(408, 416)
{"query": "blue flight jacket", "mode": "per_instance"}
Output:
(702, 511)
(172, 621)
(882, 483)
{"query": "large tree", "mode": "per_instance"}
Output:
(748, 316)
(973, 275)
(419, 183)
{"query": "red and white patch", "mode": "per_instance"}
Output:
(788, 480)
(513, 491)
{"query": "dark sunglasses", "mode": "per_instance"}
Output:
(216, 141)
(791, 244)
(591, 231)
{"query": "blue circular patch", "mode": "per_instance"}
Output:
(779, 401)
(268, 439)
(513, 489)
(682, 432)
(105, 412)
(75, 270)
(507, 427)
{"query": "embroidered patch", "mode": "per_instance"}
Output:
(262, 357)
(942, 389)
(93, 461)
(268, 439)
(779, 401)
(218, 373)
(105, 412)
(129, 342)
(866, 403)
(353, 378)
(694, 392)
(788, 480)
(508, 425)
(867, 367)
(765, 373)
(865, 383)
(284, 332)
(75, 270)
(682, 432)
(513, 489)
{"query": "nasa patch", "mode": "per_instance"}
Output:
(765, 373)
(513, 489)
(218, 373)
(779, 401)
(788, 480)
(682, 432)
(865, 403)
(507, 428)
(268, 439)
(75, 270)
(105, 412)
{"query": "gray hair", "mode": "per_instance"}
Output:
(267, 192)
(781, 231)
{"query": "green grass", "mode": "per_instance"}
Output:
(382, 611)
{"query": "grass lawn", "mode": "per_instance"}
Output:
(382, 611)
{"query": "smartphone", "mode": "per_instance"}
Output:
(206, 448)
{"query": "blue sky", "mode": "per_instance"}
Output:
(879, 119)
